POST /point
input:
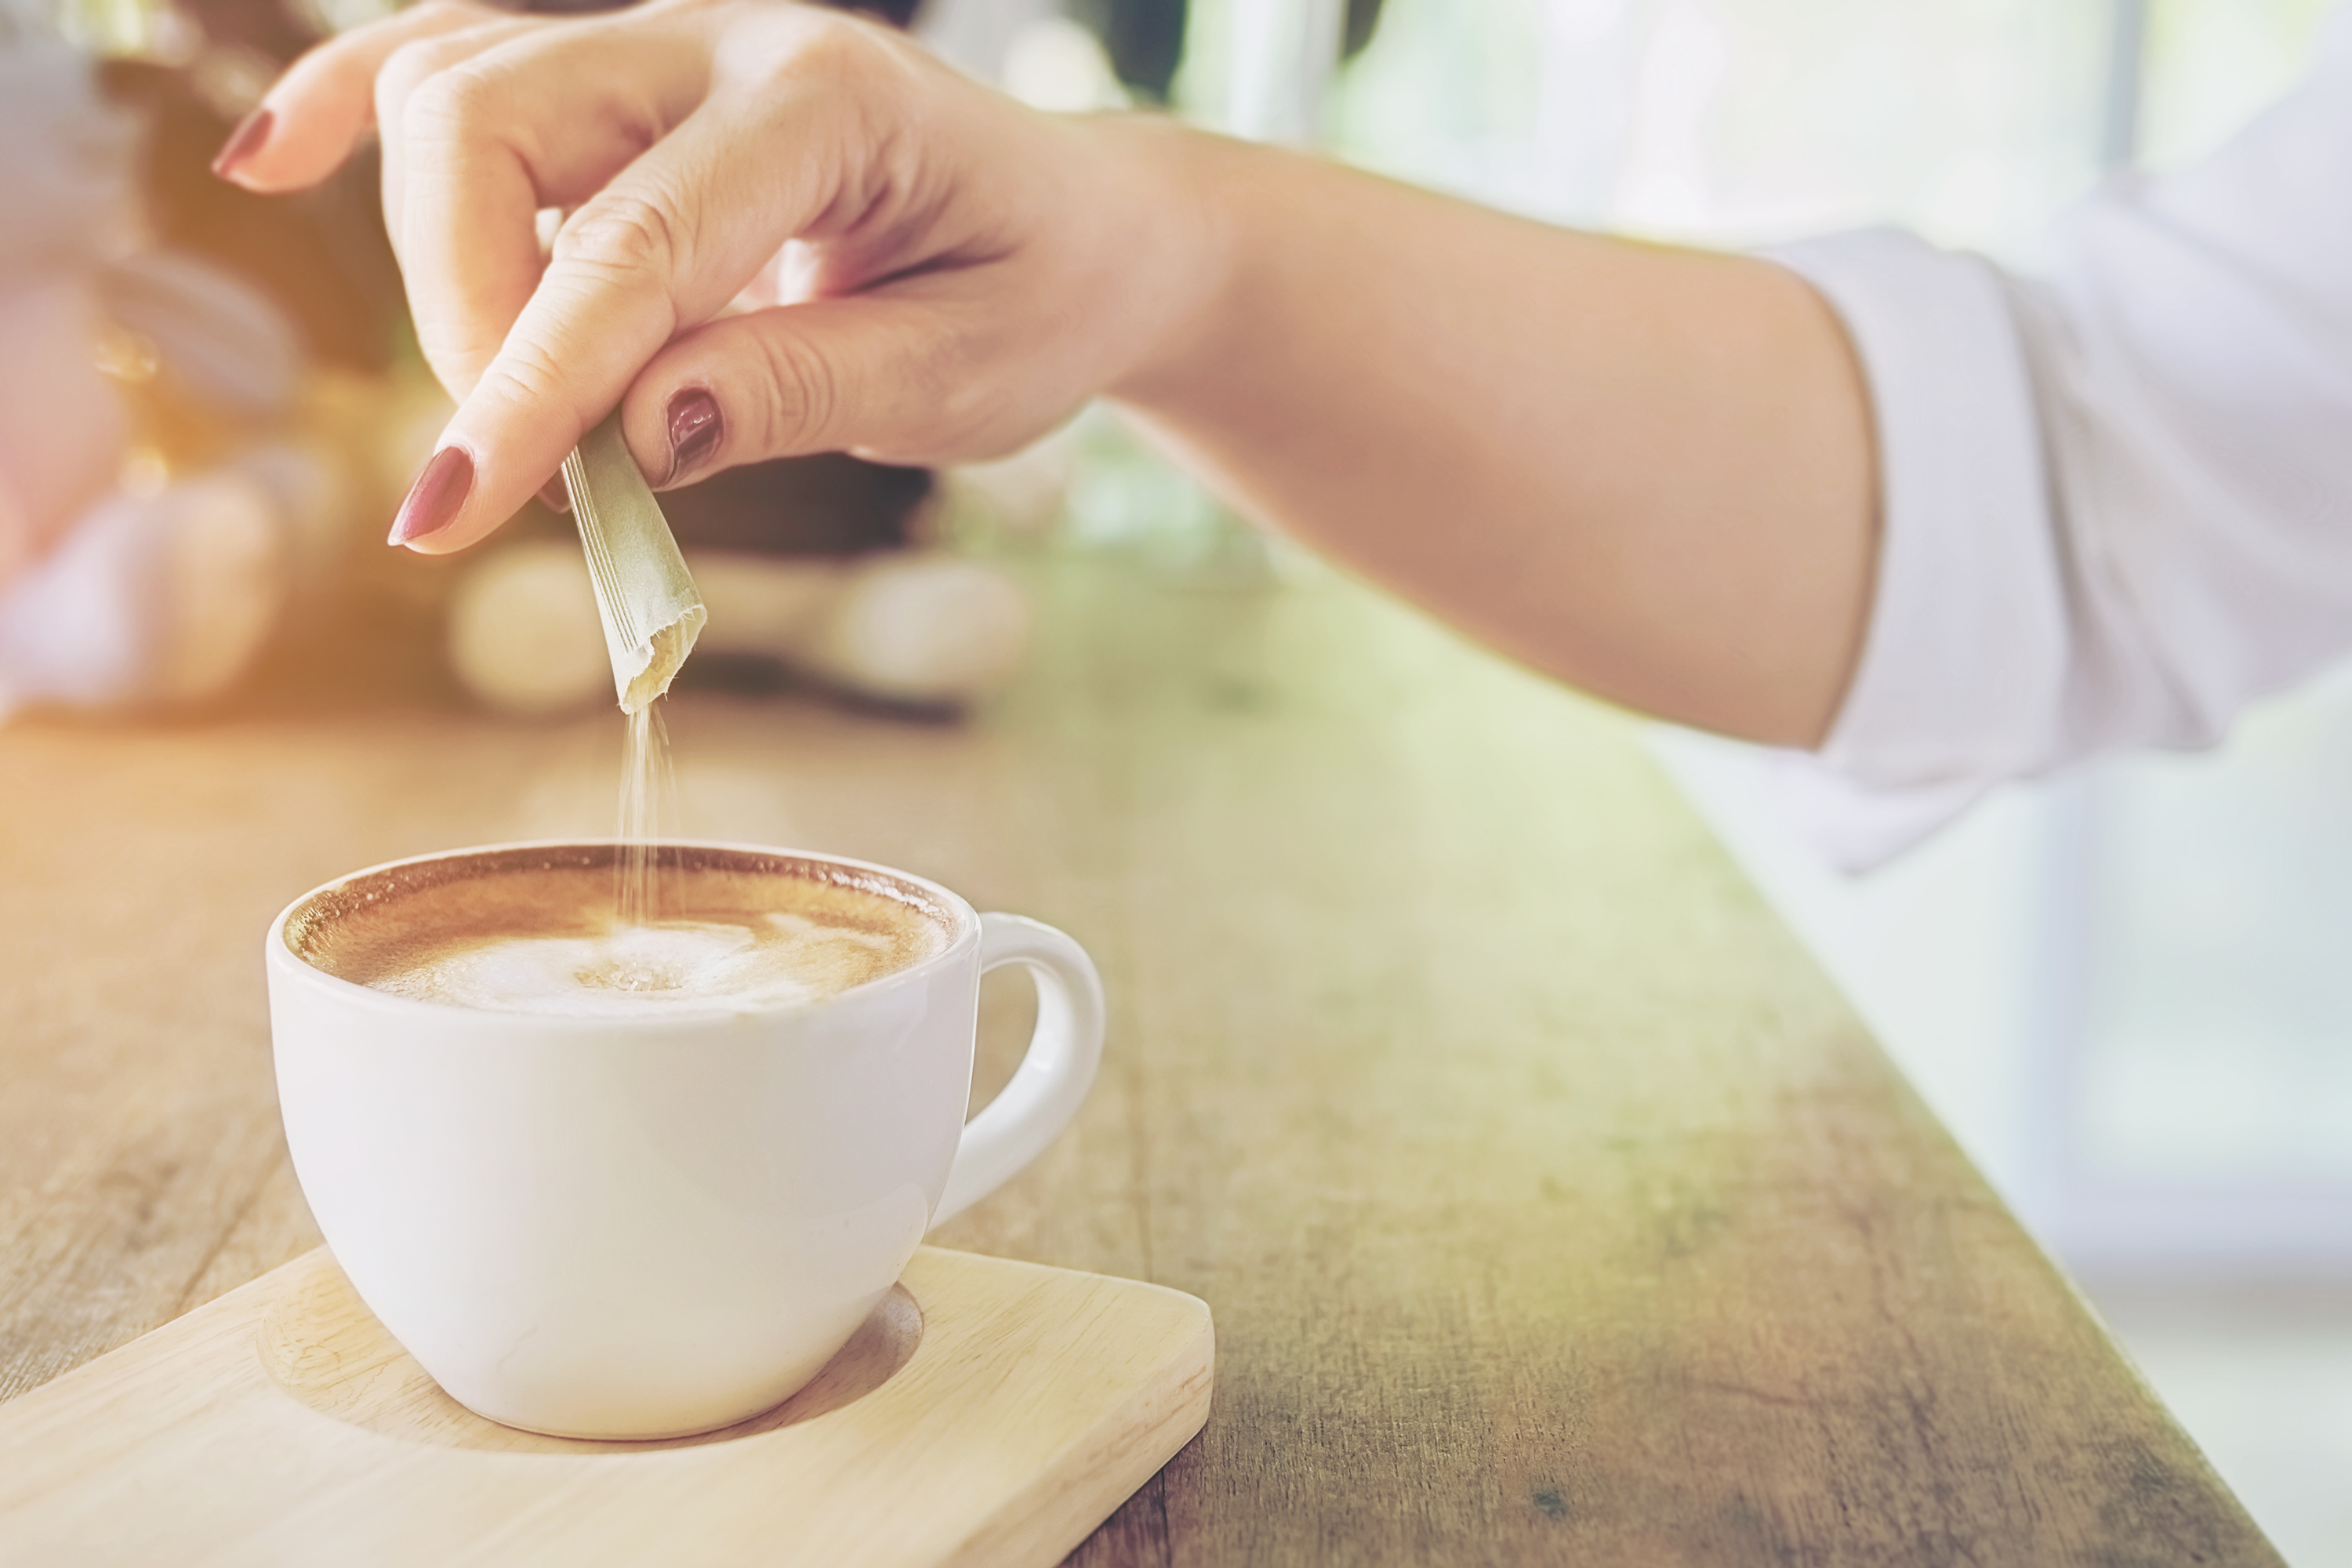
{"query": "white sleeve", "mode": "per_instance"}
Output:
(2116, 499)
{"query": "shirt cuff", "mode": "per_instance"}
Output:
(1961, 676)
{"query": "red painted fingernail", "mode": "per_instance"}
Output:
(435, 499)
(554, 495)
(694, 429)
(244, 142)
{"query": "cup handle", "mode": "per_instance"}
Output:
(1053, 1078)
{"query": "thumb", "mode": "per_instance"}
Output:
(891, 376)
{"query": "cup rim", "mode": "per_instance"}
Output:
(282, 957)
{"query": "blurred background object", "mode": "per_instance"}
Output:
(917, 630)
(188, 367)
(66, 202)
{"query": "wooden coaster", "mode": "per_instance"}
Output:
(989, 1412)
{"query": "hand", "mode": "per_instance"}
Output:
(1648, 471)
(789, 231)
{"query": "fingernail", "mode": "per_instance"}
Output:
(244, 142)
(694, 428)
(554, 495)
(435, 497)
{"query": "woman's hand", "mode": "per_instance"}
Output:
(788, 231)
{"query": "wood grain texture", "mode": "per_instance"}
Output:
(280, 1423)
(1551, 1204)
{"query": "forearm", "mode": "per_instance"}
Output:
(1646, 471)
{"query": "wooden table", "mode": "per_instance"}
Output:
(1551, 1204)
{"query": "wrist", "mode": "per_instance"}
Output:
(1183, 242)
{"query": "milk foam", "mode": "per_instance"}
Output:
(780, 958)
(535, 929)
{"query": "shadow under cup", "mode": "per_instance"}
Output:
(647, 1224)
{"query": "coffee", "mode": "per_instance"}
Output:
(536, 931)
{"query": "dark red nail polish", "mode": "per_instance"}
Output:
(244, 142)
(554, 495)
(435, 499)
(694, 429)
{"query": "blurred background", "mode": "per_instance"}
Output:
(2125, 991)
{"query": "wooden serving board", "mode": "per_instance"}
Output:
(989, 1412)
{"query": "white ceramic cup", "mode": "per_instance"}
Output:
(652, 1226)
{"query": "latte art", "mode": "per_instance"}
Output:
(544, 938)
(634, 969)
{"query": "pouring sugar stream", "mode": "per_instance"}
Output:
(652, 613)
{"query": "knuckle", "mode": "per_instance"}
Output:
(532, 373)
(802, 394)
(623, 236)
(831, 44)
(404, 68)
(411, 65)
(820, 47)
(527, 376)
(452, 100)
